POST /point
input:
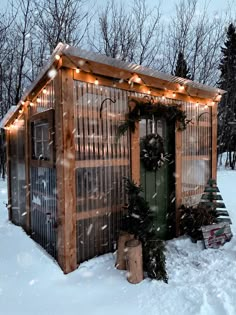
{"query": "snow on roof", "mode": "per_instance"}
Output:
(69, 51)
(134, 68)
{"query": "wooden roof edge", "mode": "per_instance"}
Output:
(69, 51)
(51, 64)
(7, 116)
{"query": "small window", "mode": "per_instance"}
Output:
(41, 140)
(42, 135)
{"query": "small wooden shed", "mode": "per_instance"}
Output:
(66, 166)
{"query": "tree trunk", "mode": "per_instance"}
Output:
(121, 251)
(134, 261)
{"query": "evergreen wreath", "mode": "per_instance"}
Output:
(152, 152)
(147, 108)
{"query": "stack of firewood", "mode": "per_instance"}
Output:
(129, 257)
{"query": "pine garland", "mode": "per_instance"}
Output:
(155, 260)
(139, 221)
(158, 110)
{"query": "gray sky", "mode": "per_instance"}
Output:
(167, 7)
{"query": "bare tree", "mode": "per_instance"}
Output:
(115, 35)
(149, 32)
(5, 23)
(198, 37)
(62, 21)
(128, 34)
(24, 28)
(178, 32)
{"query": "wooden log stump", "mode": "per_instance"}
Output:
(134, 261)
(121, 251)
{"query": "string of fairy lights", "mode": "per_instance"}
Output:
(134, 79)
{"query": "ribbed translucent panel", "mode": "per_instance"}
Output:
(102, 163)
(43, 207)
(45, 99)
(17, 172)
(196, 157)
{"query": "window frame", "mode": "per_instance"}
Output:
(42, 117)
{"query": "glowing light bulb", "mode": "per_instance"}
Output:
(149, 92)
(181, 87)
(174, 94)
(96, 82)
(38, 100)
(44, 91)
(57, 57)
(52, 73)
(77, 70)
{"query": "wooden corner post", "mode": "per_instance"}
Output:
(214, 142)
(178, 177)
(65, 167)
(135, 150)
(8, 165)
(27, 169)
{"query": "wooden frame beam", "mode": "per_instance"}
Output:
(135, 150)
(98, 68)
(65, 166)
(178, 177)
(214, 143)
(95, 213)
(155, 90)
(48, 116)
(27, 170)
(9, 206)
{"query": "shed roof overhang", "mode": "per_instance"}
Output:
(97, 64)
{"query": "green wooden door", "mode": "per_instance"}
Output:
(158, 185)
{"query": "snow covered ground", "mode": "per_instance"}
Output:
(201, 282)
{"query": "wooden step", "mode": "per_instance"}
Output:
(213, 197)
(213, 204)
(225, 220)
(222, 212)
(211, 189)
(211, 182)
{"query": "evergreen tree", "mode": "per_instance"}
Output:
(227, 106)
(181, 69)
(139, 221)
